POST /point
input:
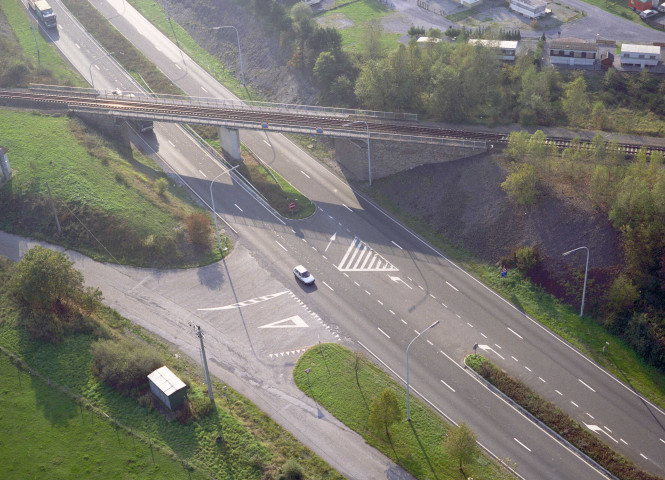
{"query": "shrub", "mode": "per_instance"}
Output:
(623, 294)
(124, 364)
(521, 185)
(293, 470)
(198, 227)
(526, 258)
(161, 184)
(413, 31)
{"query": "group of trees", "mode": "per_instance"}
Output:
(631, 192)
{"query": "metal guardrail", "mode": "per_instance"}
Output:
(256, 106)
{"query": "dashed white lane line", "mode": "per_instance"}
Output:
(484, 336)
(396, 245)
(452, 286)
(607, 429)
(266, 142)
(357, 284)
(527, 448)
(451, 388)
(304, 239)
(626, 443)
(391, 311)
(498, 346)
(293, 230)
(203, 174)
(324, 257)
(421, 287)
(643, 456)
(587, 386)
(283, 248)
(590, 416)
(542, 379)
(469, 324)
(171, 143)
(661, 440)
(514, 358)
(411, 279)
(77, 45)
(444, 305)
(380, 302)
(314, 248)
(383, 332)
(457, 316)
(347, 208)
(367, 292)
(559, 392)
(204, 90)
(515, 333)
(430, 343)
(331, 289)
(403, 321)
(432, 296)
(343, 273)
(304, 174)
(237, 207)
(96, 67)
(527, 368)
(177, 66)
(575, 404)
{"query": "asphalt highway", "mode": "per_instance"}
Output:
(379, 285)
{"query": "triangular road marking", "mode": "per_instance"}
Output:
(291, 322)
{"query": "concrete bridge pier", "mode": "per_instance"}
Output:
(229, 140)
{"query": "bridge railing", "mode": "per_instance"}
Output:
(212, 102)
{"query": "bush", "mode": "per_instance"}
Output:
(198, 227)
(293, 470)
(526, 258)
(413, 31)
(161, 184)
(124, 364)
(521, 185)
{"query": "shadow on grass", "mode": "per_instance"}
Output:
(516, 302)
(422, 448)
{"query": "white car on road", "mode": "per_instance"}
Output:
(303, 275)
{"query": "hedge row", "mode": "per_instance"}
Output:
(560, 422)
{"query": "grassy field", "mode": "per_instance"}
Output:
(617, 7)
(584, 333)
(47, 434)
(254, 447)
(154, 12)
(49, 58)
(418, 446)
(105, 191)
(359, 14)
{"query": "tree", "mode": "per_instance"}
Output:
(384, 412)
(198, 227)
(521, 185)
(43, 279)
(461, 444)
(576, 101)
(370, 40)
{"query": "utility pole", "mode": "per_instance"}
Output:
(199, 334)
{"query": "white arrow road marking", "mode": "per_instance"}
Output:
(488, 348)
(332, 239)
(291, 322)
(246, 303)
(596, 429)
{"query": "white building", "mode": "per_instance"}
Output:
(573, 52)
(428, 40)
(639, 55)
(505, 49)
(530, 8)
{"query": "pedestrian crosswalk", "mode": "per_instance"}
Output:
(359, 257)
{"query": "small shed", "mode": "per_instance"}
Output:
(166, 386)
(606, 60)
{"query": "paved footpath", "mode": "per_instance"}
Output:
(252, 359)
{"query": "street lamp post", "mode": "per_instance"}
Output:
(92, 80)
(408, 406)
(242, 72)
(586, 270)
(212, 199)
(369, 157)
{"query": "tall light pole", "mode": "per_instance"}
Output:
(212, 199)
(586, 270)
(369, 157)
(242, 72)
(408, 406)
(92, 80)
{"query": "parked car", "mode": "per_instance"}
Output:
(647, 14)
(303, 275)
(661, 8)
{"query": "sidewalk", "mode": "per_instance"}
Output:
(135, 294)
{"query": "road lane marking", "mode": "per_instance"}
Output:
(487, 347)
(661, 440)
(457, 316)
(451, 388)
(626, 443)
(444, 305)
(345, 275)
(559, 392)
(281, 246)
(527, 448)
(203, 174)
(527, 368)
(97, 67)
(77, 45)
(542, 379)
(324, 257)
(421, 288)
(469, 324)
(357, 284)
(383, 332)
(305, 174)
(417, 332)
(266, 142)
(170, 142)
(575, 404)
(295, 322)
(391, 312)
(245, 303)
(396, 245)
(643, 456)
(517, 334)
(452, 286)
(430, 343)
(587, 386)
(205, 90)
(177, 66)
(590, 416)
(360, 257)
(514, 358)
(404, 322)
(498, 346)
(331, 289)
(367, 292)
(380, 302)
(347, 208)
(238, 207)
(596, 429)
(314, 248)
(411, 279)
(484, 336)
(607, 429)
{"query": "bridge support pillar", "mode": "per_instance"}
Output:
(229, 139)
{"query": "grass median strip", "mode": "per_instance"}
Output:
(559, 421)
(347, 384)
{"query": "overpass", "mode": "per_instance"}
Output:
(231, 115)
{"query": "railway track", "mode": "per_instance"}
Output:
(274, 117)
